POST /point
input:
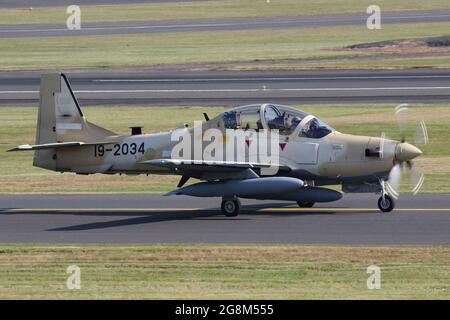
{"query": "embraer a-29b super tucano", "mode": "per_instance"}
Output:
(310, 153)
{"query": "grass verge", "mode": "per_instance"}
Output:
(18, 127)
(223, 272)
(370, 62)
(207, 47)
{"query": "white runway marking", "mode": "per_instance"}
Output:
(239, 90)
(19, 91)
(173, 26)
(274, 79)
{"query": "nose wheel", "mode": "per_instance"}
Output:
(386, 203)
(231, 207)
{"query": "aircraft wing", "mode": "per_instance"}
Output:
(206, 165)
(211, 170)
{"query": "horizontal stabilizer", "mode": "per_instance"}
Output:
(57, 145)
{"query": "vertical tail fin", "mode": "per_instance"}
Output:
(60, 119)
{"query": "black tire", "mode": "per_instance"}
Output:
(305, 204)
(231, 208)
(387, 204)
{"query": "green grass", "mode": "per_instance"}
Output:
(223, 272)
(18, 127)
(203, 47)
(209, 9)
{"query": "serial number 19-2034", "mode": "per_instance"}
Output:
(119, 149)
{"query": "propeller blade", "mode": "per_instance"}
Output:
(381, 147)
(391, 191)
(395, 177)
(421, 134)
(400, 115)
(409, 164)
(416, 179)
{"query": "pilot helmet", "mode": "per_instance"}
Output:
(295, 121)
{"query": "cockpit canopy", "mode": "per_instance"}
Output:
(287, 120)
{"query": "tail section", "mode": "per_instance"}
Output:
(60, 120)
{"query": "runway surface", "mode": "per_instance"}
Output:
(198, 25)
(421, 219)
(226, 88)
(56, 3)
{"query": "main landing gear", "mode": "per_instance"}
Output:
(231, 207)
(385, 202)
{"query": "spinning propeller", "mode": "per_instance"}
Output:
(404, 153)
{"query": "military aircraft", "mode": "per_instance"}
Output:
(311, 153)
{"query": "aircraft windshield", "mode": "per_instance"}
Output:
(315, 129)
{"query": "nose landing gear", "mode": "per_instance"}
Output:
(385, 202)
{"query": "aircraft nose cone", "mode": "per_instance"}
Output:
(406, 151)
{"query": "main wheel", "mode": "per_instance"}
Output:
(305, 204)
(386, 203)
(231, 208)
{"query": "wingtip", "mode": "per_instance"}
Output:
(20, 148)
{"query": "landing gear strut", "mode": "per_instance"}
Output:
(385, 202)
(231, 207)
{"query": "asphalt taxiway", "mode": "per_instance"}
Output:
(140, 218)
(54, 3)
(202, 25)
(226, 88)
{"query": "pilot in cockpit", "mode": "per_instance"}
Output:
(295, 122)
